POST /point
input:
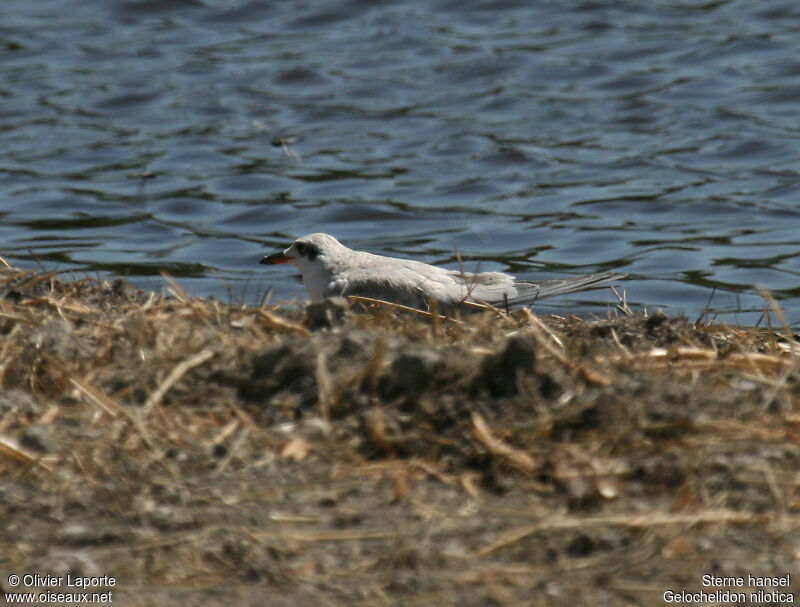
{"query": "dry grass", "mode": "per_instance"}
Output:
(236, 456)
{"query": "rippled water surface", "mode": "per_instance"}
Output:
(542, 138)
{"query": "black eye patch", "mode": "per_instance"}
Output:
(308, 251)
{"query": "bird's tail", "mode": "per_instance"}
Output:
(530, 292)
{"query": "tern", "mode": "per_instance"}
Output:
(330, 268)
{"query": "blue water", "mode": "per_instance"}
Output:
(541, 138)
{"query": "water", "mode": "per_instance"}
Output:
(542, 138)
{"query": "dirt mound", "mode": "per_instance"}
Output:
(229, 455)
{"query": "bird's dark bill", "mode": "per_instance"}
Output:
(275, 258)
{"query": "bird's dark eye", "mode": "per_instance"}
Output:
(301, 248)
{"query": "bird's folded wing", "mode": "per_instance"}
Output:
(398, 284)
(415, 284)
(491, 287)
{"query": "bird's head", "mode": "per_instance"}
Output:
(305, 251)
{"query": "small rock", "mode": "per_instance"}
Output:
(74, 533)
(581, 545)
(354, 344)
(318, 427)
(296, 449)
(500, 370)
(38, 438)
(290, 366)
(656, 319)
(326, 314)
(328, 500)
(411, 373)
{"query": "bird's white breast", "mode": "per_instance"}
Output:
(316, 279)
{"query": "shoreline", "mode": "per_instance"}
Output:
(194, 449)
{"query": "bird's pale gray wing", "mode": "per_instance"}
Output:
(529, 292)
(491, 287)
(411, 286)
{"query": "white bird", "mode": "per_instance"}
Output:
(330, 268)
